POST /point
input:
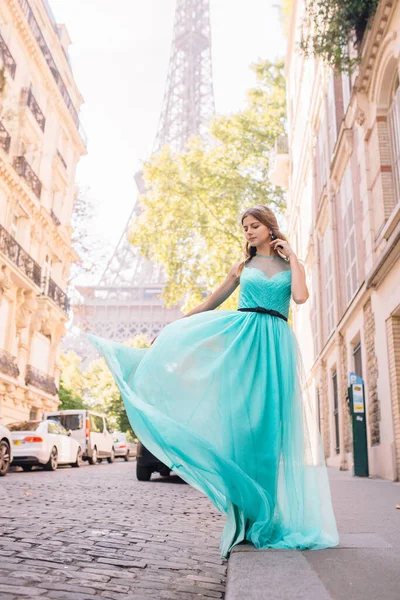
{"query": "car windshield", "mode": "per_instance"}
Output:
(70, 422)
(119, 437)
(24, 426)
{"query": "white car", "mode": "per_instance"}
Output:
(5, 450)
(123, 448)
(91, 430)
(43, 443)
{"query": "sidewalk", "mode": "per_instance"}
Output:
(365, 566)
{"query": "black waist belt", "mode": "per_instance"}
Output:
(260, 309)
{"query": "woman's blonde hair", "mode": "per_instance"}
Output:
(266, 216)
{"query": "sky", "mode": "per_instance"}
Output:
(119, 56)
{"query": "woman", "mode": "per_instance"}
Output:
(218, 399)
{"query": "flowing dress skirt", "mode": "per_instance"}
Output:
(218, 399)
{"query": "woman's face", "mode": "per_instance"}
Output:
(256, 233)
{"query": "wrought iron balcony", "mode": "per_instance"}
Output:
(41, 380)
(8, 364)
(53, 291)
(37, 32)
(10, 247)
(55, 218)
(30, 101)
(24, 169)
(8, 60)
(5, 138)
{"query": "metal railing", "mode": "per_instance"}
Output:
(37, 32)
(54, 292)
(5, 138)
(10, 247)
(8, 59)
(30, 101)
(41, 380)
(8, 364)
(24, 169)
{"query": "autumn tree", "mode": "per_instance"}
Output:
(190, 217)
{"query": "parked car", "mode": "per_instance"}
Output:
(123, 448)
(5, 450)
(91, 430)
(44, 443)
(147, 463)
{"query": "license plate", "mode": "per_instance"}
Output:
(17, 442)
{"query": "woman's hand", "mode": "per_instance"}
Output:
(282, 247)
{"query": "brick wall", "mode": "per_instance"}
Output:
(373, 405)
(343, 384)
(393, 338)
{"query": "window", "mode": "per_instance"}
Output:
(336, 411)
(5, 306)
(314, 311)
(349, 234)
(319, 409)
(328, 282)
(40, 352)
(53, 428)
(346, 90)
(70, 422)
(321, 163)
(96, 424)
(332, 126)
(394, 137)
(357, 359)
(33, 414)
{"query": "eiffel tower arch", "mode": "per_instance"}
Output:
(128, 297)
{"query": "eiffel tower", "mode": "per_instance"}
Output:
(127, 299)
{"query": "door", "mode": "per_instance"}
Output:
(97, 431)
(55, 439)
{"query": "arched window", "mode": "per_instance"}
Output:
(394, 135)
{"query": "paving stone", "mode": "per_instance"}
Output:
(157, 540)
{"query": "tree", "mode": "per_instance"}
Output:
(68, 400)
(329, 26)
(190, 217)
(94, 388)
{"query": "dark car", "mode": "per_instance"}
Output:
(147, 463)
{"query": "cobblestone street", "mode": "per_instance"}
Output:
(96, 532)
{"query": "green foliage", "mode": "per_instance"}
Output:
(329, 26)
(94, 388)
(68, 400)
(190, 221)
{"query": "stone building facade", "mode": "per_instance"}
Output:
(41, 142)
(343, 179)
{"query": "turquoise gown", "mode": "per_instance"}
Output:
(219, 399)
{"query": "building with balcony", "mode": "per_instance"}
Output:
(41, 141)
(344, 221)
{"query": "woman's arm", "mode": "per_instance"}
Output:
(220, 295)
(299, 286)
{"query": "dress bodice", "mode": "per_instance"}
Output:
(266, 282)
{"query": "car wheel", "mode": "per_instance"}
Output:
(53, 460)
(4, 458)
(126, 457)
(79, 460)
(93, 458)
(27, 468)
(111, 458)
(143, 473)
